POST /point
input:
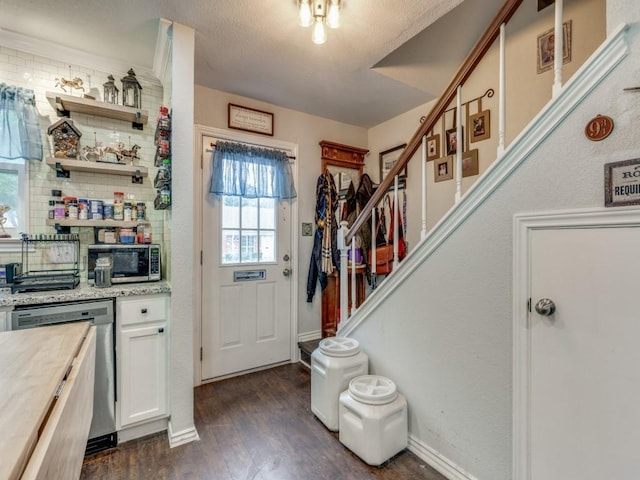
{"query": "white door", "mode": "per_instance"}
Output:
(246, 281)
(583, 360)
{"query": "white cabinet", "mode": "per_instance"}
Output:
(142, 353)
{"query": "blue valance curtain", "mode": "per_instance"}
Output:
(19, 128)
(251, 172)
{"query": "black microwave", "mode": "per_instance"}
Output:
(129, 263)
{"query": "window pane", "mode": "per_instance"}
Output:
(230, 247)
(9, 188)
(230, 212)
(249, 246)
(268, 213)
(267, 246)
(249, 213)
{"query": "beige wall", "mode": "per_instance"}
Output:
(306, 131)
(526, 93)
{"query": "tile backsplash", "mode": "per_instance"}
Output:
(39, 74)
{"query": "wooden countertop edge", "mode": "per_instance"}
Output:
(24, 405)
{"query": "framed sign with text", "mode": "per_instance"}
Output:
(250, 120)
(622, 183)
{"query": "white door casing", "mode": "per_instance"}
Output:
(576, 381)
(250, 324)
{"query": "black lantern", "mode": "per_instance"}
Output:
(131, 90)
(110, 91)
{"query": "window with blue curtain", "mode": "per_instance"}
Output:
(251, 172)
(20, 137)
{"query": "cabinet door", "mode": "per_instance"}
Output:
(142, 373)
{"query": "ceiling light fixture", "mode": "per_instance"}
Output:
(319, 13)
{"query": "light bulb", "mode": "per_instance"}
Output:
(333, 15)
(304, 16)
(319, 36)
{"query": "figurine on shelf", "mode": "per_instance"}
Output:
(129, 155)
(76, 83)
(4, 208)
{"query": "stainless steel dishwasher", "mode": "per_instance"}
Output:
(100, 313)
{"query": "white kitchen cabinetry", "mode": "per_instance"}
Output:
(142, 353)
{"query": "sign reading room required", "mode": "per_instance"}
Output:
(622, 183)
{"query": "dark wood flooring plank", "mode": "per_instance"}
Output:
(254, 427)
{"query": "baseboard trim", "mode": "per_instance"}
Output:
(307, 336)
(438, 461)
(182, 437)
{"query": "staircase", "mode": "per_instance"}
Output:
(441, 324)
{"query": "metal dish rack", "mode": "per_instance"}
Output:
(62, 249)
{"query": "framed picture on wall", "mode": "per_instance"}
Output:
(433, 147)
(443, 169)
(453, 141)
(542, 4)
(479, 127)
(470, 165)
(388, 159)
(546, 47)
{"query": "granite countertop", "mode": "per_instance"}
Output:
(82, 292)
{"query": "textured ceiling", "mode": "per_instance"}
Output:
(256, 48)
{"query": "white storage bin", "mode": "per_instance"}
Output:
(373, 419)
(333, 364)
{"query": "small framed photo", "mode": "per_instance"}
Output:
(433, 147)
(546, 47)
(479, 127)
(388, 159)
(443, 169)
(470, 165)
(453, 141)
(622, 183)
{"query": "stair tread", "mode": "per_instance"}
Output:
(309, 346)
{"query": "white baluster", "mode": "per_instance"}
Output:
(502, 112)
(374, 231)
(353, 275)
(459, 146)
(344, 292)
(423, 231)
(558, 50)
(394, 215)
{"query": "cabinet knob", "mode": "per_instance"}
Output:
(143, 311)
(161, 330)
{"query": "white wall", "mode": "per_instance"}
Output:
(306, 131)
(452, 356)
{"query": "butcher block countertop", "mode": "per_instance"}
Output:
(33, 363)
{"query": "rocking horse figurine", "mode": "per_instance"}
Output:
(76, 83)
(129, 155)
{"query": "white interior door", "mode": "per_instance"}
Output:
(246, 281)
(583, 392)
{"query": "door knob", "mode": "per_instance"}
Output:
(286, 272)
(545, 307)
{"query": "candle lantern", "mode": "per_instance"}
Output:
(131, 90)
(110, 91)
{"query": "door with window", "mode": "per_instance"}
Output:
(246, 282)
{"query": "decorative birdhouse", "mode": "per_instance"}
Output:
(131, 90)
(110, 91)
(66, 138)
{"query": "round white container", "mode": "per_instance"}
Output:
(334, 363)
(373, 419)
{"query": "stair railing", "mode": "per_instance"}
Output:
(453, 91)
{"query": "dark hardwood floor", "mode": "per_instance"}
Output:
(257, 426)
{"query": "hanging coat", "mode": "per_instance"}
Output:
(325, 255)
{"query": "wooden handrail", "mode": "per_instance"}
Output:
(464, 72)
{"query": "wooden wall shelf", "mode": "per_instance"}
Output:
(65, 165)
(65, 222)
(64, 104)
